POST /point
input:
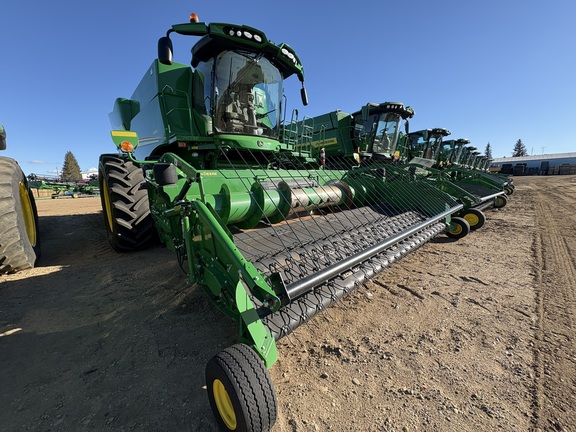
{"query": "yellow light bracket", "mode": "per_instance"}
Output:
(126, 141)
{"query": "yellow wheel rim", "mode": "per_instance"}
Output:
(107, 206)
(224, 404)
(472, 219)
(457, 229)
(28, 214)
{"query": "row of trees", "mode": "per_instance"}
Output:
(519, 150)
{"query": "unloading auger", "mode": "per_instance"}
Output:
(270, 233)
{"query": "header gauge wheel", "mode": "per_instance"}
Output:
(240, 390)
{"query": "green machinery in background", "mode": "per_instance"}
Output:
(373, 137)
(446, 162)
(19, 234)
(61, 188)
(477, 165)
(270, 232)
(462, 161)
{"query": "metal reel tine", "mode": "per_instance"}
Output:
(288, 337)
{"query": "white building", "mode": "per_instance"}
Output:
(559, 163)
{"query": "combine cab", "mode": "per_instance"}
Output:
(19, 236)
(269, 231)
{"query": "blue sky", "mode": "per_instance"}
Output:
(490, 71)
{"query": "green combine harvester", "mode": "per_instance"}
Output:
(483, 166)
(373, 137)
(19, 235)
(457, 158)
(271, 233)
(428, 156)
(474, 164)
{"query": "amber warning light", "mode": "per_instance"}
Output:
(127, 146)
(194, 18)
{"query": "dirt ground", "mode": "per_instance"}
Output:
(469, 335)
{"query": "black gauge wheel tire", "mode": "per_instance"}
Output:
(240, 390)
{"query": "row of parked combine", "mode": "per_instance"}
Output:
(275, 220)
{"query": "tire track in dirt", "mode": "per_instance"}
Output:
(555, 274)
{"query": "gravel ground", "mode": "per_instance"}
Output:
(468, 335)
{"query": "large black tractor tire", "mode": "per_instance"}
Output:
(500, 201)
(475, 218)
(240, 390)
(19, 233)
(458, 228)
(125, 204)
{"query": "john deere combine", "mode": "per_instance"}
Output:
(373, 138)
(429, 157)
(473, 164)
(271, 233)
(457, 159)
(19, 236)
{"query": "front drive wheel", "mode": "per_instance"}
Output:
(240, 390)
(458, 228)
(475, 218)
(125, 204)
(19, 235)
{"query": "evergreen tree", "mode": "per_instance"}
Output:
(71, 169)
(488, 151)
(519, 149)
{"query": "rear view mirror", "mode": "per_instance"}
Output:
(165, 50)
(304, 95)
(365, 112)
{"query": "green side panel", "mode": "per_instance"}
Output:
(164, 94)
(333, 132)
